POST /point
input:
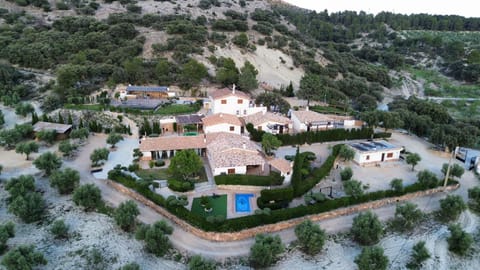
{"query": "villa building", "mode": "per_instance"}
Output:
(234, 154)
(232, 102)
(167, 147)
(269, 122)
(191, 123)
(312, 121)
(370, 153)
(222, 122)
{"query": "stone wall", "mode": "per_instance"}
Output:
(248, 233)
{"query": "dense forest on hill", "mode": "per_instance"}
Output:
(364, 56)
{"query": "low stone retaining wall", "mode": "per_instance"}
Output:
(248, 233)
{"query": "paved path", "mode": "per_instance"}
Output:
(222, 250)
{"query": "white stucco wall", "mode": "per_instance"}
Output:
(222, 128)
(231, 106)
(297, 125)
(361, 157)
(265, 128)
(238, 170)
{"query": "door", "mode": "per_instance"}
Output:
(383, 157)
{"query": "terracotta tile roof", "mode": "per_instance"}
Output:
(232, 150)
(221, 118)
(172, 143)
(260, 118)
(59, 128)
(281, 164)
(310, 116)
(226, 92)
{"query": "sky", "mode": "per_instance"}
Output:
(467, 8)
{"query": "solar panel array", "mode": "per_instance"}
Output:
(372, 146)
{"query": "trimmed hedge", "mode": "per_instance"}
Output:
(304, 185)
(180, 186)
(329, 136)
(274, 179)
(279, 194)
(241, 223)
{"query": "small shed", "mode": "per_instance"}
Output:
(374, 152)
(62, 130)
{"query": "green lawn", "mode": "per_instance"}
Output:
(219, 206)
(160, 174)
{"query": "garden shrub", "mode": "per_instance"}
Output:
(180, 186)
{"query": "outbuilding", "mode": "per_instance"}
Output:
(375, 152)
(62, 130)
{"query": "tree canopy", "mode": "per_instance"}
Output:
(185, 163)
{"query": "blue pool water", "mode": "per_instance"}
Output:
(242, 202)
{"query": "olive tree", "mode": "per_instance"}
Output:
(266, 249)
(23, 257)
(7, 231)
(397, 184)
(126, 214)
(199, 263)
(67, 148)
(451, 207)
(310, 236)
(114, 138)
(372, 258)
(413, 159)
(29, 208)
(407, 215)
(346, 174)
(88, 196)
(65, 181)
(155, 237)
(59, 229)
(353, 188)
(99, 156)
(366, 228)
(47, 135)
(427, 179)
(419, 255)
(346, 153)
(20, 186)
(26, 148)
(48, 162)
(459, 241)
(456, 170)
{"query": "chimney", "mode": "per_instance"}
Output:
(307, 109)
(244, 145)
(221, 114)
(233, 89)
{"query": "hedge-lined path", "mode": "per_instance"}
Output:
(188, 242)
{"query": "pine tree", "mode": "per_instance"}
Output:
(60, 118)
(45, 118)
(80, 125)
(34, 118)
(70, 120)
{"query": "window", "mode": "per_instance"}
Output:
(389, 155)
(224, 101)
(367, 158)
(238, 112)
(259, 128)
(245, 112)
(232, 128)
(231, 171)
(240, 101)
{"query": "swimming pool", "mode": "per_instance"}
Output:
(242, 203)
